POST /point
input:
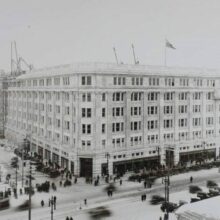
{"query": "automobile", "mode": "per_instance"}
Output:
(169, 205)
(99, 212)
(202, 195)
(24, 205)
(157, 199)
(14, 159)
(195, 200)
(213, 192)
(4, 204)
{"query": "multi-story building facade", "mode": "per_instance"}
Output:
(83, 115)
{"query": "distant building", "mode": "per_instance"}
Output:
(3, 101)
(99, 118)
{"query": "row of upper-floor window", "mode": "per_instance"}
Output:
(116, 111)
(117, 96)
(134, 140)
(118, 80)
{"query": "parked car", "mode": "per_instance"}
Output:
(4, 204)
(157, 199)
(202, 195)
(195, 200)
(169, 205)
(213, 192)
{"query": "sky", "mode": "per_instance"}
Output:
(54, 32)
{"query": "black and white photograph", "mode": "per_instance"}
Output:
(109, 110)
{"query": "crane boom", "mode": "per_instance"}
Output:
(116, 58)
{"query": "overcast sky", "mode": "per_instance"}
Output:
(53, 32)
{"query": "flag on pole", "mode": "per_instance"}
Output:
(169, 45)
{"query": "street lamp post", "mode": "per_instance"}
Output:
(158, 155)
(167, 183)
(30, 192)
(204, 153)
(107, 155)
(22, 171)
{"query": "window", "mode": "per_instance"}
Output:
(103, 97)
(135, 111)
(118, 96)
(136, 81)
(86, 128)
(152, 110)
(103, 112)
(117, 127)
(182, 109)
(135, 96)
(86, 97)
(103, 128)
(168, 109)
(196, 122)
(153, 81)
(169, 82)
(196, 108)
(182, 122)
(86, 112)
(119, 81)
(56, 81)
(153, 124)
(118, 111)
(209, 121)
(152, 96)
(86, 80)
(196, 95)
(135, 125)
(49, 81)
(209, 96)
(168, 96)
(168, 123)
(184, 82)
(183, 96)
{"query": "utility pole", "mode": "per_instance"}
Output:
(167, 185)
(107, 155)
(52, 207)
(22, 171)
(30, 192)
(158, 154)
(16, 180)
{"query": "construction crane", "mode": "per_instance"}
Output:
(116, 58)
(17, 61)
(135, 60)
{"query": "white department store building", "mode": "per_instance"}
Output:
(75, 115)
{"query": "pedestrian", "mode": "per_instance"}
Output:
(85, 201)
(55, 202)
(60, 183)
(160, 218)
(145, 184)
(75, 181)
(42, 203)
(120, 182)
(67, 218)
(191, 179)
(71, 218)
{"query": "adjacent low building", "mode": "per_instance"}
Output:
(95, 118)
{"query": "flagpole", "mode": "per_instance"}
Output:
(165, 54)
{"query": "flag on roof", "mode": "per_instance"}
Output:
(169, 45)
